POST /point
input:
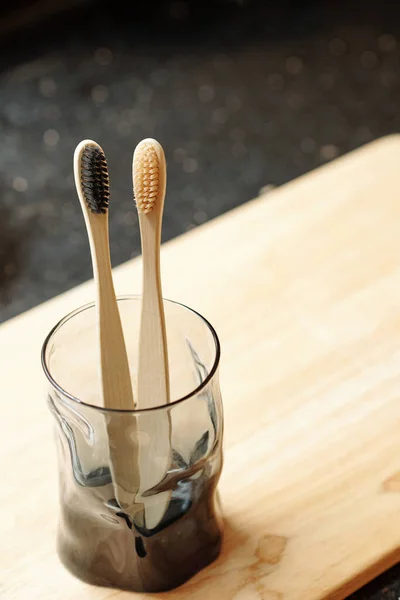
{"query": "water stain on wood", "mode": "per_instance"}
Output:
(392, 484)
(271, 548)
(267, 594)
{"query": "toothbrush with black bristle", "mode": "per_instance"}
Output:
(92, 184)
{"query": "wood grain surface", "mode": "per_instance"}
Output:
(303, 286)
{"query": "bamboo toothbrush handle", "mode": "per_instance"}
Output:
(149, 178)
(153, 372)
(93, 187)
(116, 380)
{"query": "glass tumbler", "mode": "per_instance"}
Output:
(139, 509)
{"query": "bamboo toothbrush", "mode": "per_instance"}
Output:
(92, 184)
(149, 182)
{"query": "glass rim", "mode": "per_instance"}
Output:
(89, 305)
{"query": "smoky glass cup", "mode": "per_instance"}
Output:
(139, 508)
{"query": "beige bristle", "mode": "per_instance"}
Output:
(145, 176)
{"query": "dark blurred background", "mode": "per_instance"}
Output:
(244, 95)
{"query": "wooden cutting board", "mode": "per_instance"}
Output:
(303, 286)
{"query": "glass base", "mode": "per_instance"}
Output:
(103, 546)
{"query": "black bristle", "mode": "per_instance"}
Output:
(94, 179)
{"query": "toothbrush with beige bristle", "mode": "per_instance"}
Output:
(149, 183)
(92, 184)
